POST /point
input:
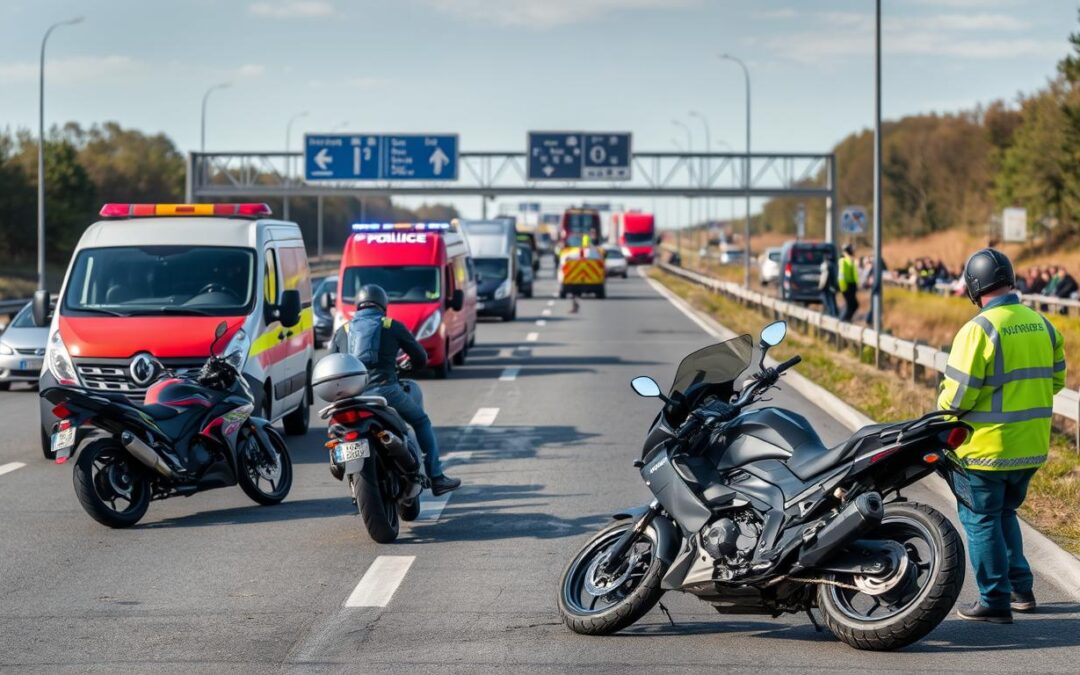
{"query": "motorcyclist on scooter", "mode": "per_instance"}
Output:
(376, 340)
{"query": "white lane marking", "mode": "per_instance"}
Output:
(524, 351)
(510, 374)
(532, 337)
(546, 312)
(380, 581)
(484, 417)
(717, 332)
(550, 303)
(541, 322)
(457, 456)
(431, 509)
(10, 466)
(505, 353)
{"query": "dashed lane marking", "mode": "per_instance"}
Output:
(532, 337)
(541, 322)
(382, 578)
(506, 353)
(484, 417)
(510, 374)
(550, 303)
(10, 466)
(546, 312)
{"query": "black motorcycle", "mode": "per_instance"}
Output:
(376, 452)
(754, 515)
(189, 435)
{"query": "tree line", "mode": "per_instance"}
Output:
(941, 171)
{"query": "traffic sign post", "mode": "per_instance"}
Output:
(577, 155)
(380, 157)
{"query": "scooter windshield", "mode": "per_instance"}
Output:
(715, 364)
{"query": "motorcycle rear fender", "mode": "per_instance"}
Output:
(668, 539)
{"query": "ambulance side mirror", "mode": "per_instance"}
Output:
(39, 308)
(327, 300)
(457, 300)
(289, 309)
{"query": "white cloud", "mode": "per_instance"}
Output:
(293, 9)
(249, 70)
(786, 13)
(545, 13)
(74, 69)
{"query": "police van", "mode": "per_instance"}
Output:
(148, 284)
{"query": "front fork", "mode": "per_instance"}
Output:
(622, 546)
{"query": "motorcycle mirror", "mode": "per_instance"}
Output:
(645, 386)
(218, 333)
(773, 334)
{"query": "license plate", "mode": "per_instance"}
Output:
(479, 305)
(345, 452)
(29, 364)
(62, 442)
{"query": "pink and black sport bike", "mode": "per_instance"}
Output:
(188, 435)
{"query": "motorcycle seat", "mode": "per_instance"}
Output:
(809, 460)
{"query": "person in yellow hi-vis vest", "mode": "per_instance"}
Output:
(1005, 366)
(848, 283)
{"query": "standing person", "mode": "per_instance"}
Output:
(376, 339)
(848, 282)
(1005, 366)
(827, 283)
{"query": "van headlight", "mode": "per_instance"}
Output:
(59, 361)
(236, 352)
(503, 291)
(5, 350)
(430, 326)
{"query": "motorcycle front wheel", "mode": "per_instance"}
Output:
(110, 484)
(594, 600)
(891, 613)
(264, 473)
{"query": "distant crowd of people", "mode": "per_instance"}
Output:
(1053, 281)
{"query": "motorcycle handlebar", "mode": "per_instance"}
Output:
(790, 363)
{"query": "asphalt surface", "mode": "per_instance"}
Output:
(213, 582)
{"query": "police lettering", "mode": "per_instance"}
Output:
(1024, 328)
(393, 238)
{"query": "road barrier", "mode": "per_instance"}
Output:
(920, 356)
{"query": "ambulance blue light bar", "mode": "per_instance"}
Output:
(401, 227)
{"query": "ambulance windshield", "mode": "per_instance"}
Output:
(402, 283)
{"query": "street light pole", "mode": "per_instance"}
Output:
(41, 151)
(746, 177)
(875, 297)
(202, 125)
(289, 162)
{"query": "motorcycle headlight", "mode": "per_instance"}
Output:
(236, 352)
(5, 350)
(59, 362)
(430, 326)
(503, 291)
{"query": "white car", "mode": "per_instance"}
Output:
(769, 266)
(730, 256)
(614, 262)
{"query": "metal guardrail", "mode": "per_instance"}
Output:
(9, 307)
(1066, 403)
(1066, 305)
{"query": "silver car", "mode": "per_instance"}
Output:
(614, 262)
(770, 266)
(22, 348)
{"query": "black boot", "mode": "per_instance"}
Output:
(440, 485)
(1023, 602)
(977, 612)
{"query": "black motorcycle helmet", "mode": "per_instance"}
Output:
(372, 295)
(985, 271)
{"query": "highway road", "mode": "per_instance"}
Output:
(542, 426)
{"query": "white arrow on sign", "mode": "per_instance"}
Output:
(438, 160)
(323, 159)
(548, 169)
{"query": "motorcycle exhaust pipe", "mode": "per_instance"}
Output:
(399, 451)
(858, 517)
(145, 454)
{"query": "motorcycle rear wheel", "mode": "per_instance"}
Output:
(375, 502)
(110, 484)
(634, 590)
(919, 601)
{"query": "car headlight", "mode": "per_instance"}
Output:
(59, 361)
(430, 326)
(236, 352)
(503, 291)
(626, 251)
(5, 350)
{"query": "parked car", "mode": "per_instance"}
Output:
(614, 261)
(22, 349)
(323, 311)
(769, 266)
(801, 270)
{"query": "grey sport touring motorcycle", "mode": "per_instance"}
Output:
(754, 515)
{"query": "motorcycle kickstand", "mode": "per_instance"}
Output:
(666, 613)
(810, 614)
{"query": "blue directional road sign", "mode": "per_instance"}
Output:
(380, 157)
(578, 155)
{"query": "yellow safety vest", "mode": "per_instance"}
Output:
(1005, 366)
(848, 274)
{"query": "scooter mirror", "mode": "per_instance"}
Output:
(774, 333)
(645, 386)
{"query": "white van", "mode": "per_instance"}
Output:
(148, 284)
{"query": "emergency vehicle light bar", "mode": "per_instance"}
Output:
(401, 227)
(150, 210)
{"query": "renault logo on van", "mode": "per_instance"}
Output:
(143, 368)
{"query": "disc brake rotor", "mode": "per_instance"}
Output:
(266, 462)
(898, 559)
(598, 583)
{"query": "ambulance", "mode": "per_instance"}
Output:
(149, 283)
(581, 269)
(428, 275)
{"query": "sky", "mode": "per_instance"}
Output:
(490, 70)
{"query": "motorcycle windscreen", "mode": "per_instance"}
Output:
(715, 364)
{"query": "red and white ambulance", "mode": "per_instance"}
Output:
(148, 284)
(427, 273)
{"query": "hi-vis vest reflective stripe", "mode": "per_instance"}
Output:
(1005, 366)
(848, 275)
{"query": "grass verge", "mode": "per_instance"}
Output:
(1053, 503)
